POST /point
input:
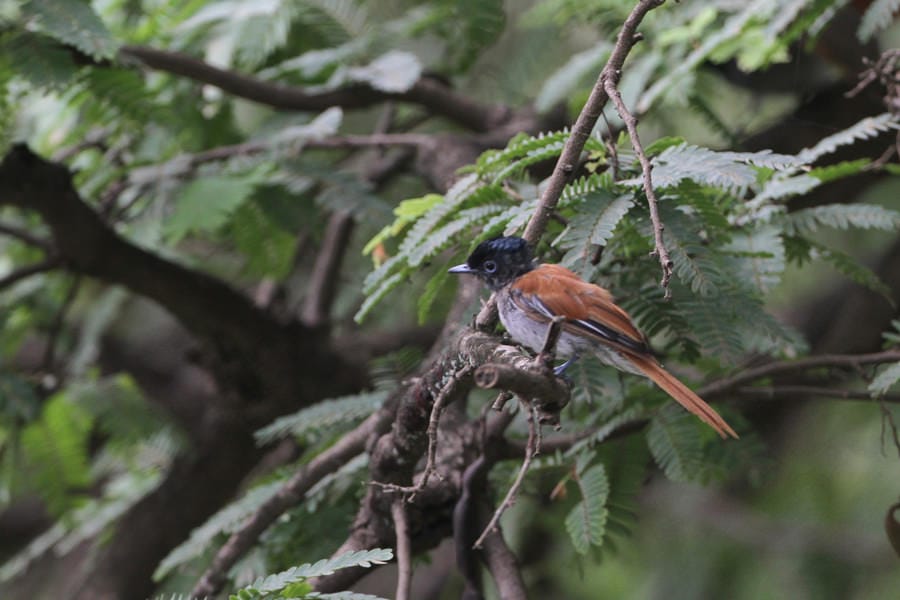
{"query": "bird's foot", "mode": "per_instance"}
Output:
(561, 369)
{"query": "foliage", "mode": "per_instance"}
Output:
(322, 416)
(586, 521)
(234, 189)
(277, 586)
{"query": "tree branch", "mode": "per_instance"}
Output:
(504, 567)
(846, 361)
(254, 353)
(426, 92)
(323, 282)
(404, 552)
(184, 164)
(792, 391)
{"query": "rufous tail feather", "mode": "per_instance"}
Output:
(683, 395)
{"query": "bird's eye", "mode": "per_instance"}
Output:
(489, 266)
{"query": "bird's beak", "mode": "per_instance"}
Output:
(463, 268)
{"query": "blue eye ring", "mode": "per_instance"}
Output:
(489, 266)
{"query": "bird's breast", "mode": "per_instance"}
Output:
(530, 332)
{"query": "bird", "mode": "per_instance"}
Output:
(530, 295)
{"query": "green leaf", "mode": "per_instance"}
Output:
(267, 247)
(675, 443)
(360, 558)
(406, 212)
(480, 23)
(887, 377)
(586, 522)
(853, 270)
(55, 450)
(573, 73)
(593, 225)
(521, 145)
(839, 170)
(730, 171)
(863, 130)
(72, 22)
(374, 297)
(763, 256)
(394, 72)
(39, 59)
(322, 415)
(878, 16)
(432, 289)
(205, 204)
(223, 521)
(841, 216)
(725, 34)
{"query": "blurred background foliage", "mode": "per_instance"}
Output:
(93, 407)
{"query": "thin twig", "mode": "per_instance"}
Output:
(530, 451)
(324, 279)
(27, 271)
(727, 384)
(185, 163)
(404, 552)
(56, 326)
(27, 237)
(887, 423)
(780, 391)
(630, 120)
(93, 139)
(444, 396)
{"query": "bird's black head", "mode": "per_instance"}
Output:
(498, 261)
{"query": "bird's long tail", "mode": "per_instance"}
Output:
(683, 394)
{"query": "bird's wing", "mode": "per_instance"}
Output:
(590, 312)
(551, 290)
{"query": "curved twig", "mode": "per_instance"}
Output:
(659, 247)
(531, 450)
(27, 271)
